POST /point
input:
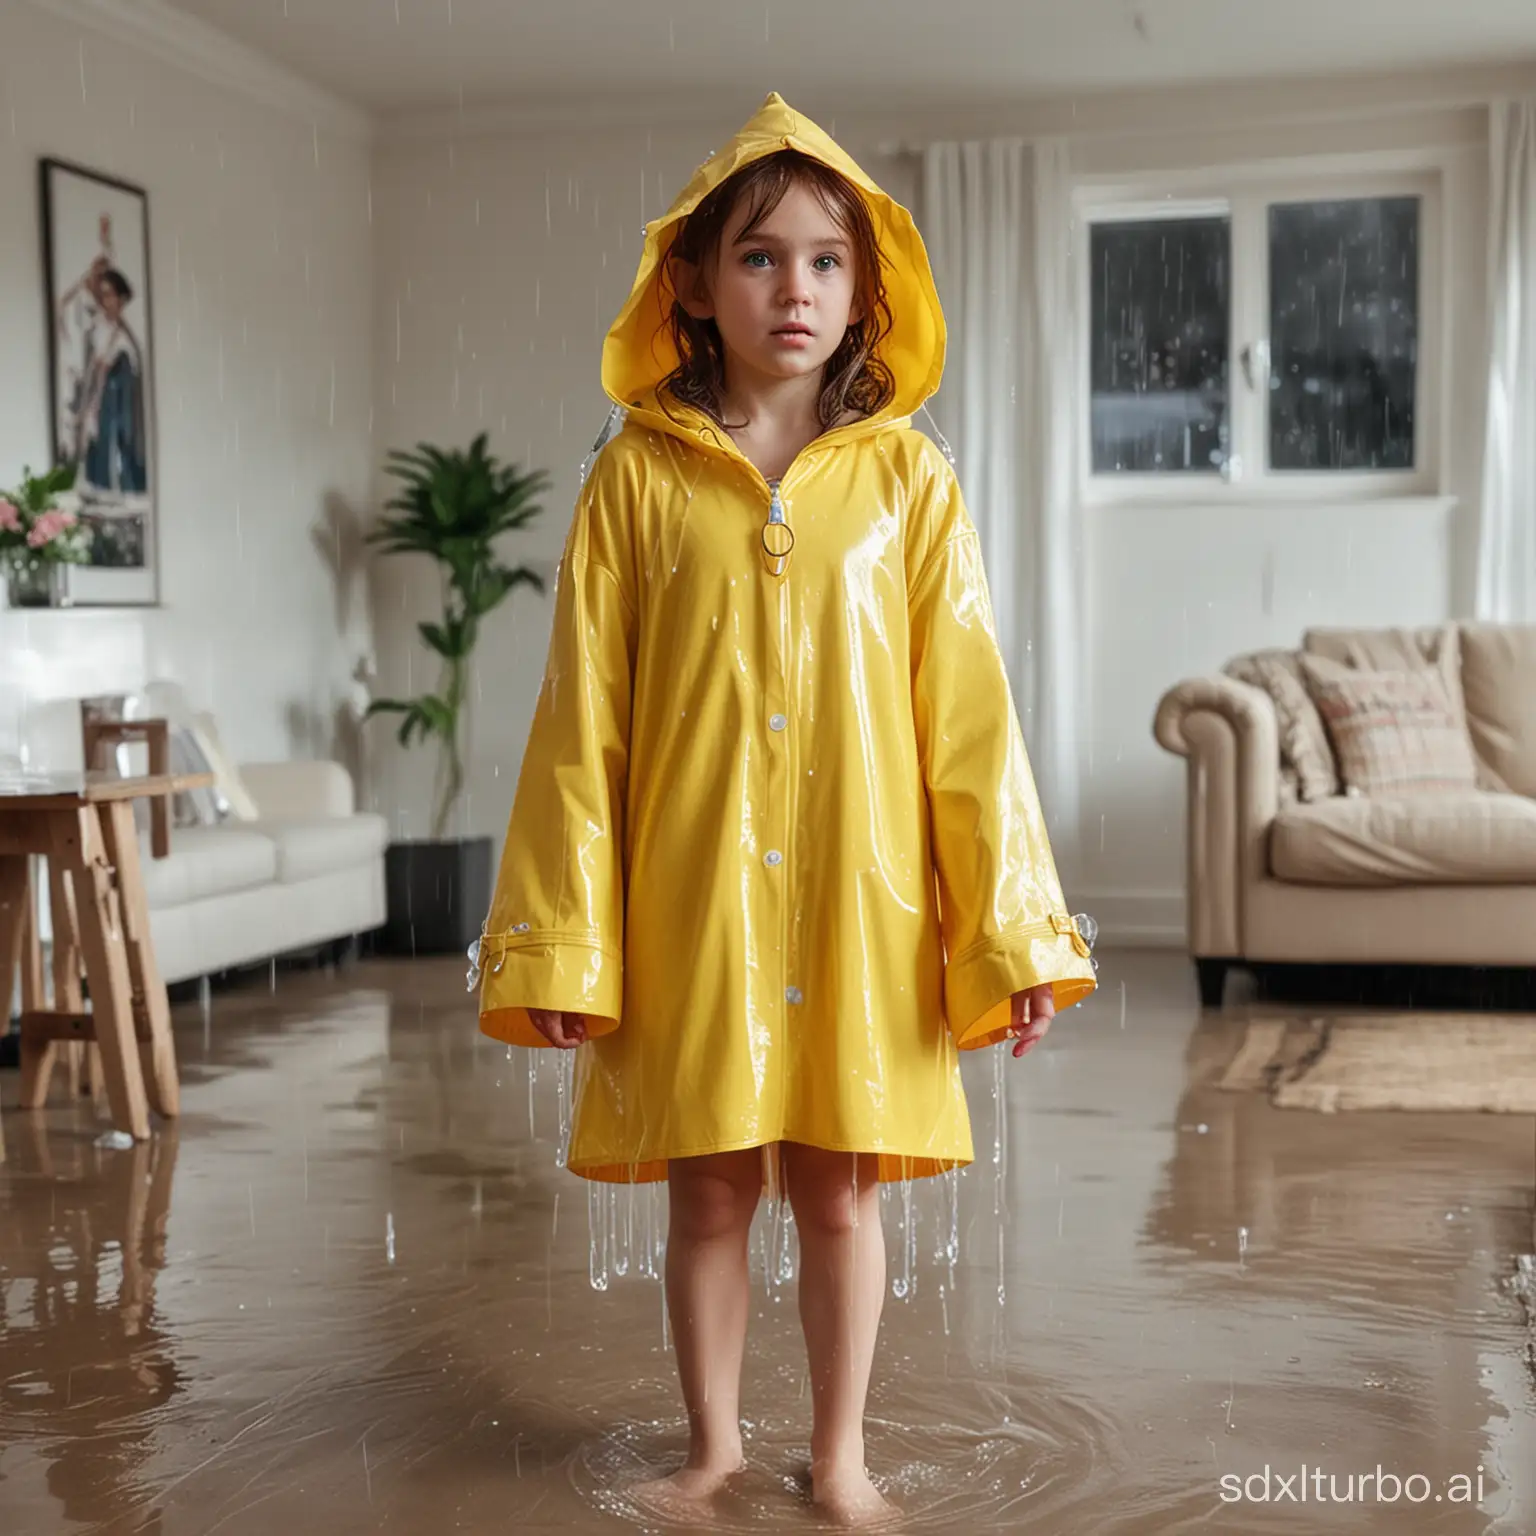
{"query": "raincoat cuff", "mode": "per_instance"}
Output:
(574, 975)
(980, 982)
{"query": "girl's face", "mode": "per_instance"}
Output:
(783, 297)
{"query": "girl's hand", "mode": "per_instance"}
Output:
(1032, 1014)
(564, 1030)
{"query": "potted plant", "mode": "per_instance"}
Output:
(452, 507)
(39, 537)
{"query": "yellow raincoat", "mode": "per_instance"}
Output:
(775, 836)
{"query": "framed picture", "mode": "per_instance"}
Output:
(101, 375)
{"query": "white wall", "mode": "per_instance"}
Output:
(261, 254)
(1178, 590)
(490, 312)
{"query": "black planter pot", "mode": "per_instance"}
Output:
(437, 895)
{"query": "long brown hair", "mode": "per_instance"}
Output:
(854, 377)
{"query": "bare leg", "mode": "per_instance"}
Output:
(835, 1197)
(711, 1203)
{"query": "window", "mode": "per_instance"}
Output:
(1272, 339)
(1343, 333)
(1159, 345)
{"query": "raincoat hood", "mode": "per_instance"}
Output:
(639, 353)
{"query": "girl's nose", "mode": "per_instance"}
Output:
(797, 286)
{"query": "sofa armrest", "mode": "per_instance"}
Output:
(1229, 733)
(284, 791)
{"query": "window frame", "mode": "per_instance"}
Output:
(1244, 194)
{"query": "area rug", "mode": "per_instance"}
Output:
(1482, 1062)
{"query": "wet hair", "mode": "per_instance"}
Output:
(118, 283)
(854, 376)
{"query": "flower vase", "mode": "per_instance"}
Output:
(36, 584)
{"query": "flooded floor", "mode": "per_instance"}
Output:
(352, 1292)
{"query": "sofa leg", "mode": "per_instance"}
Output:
(1212, 975)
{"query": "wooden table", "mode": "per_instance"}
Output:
(83, 824)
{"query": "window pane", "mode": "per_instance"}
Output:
(1158, 336)
(1343, 333)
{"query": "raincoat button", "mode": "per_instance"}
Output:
(793, 995)
(773, 858)
(777, 722)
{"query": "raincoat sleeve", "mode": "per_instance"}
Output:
(1005, 921)
(555, 935)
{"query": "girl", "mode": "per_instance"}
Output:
(776, 854)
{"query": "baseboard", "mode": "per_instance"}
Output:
(1135, 919)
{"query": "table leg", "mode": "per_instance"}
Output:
(158, 1053)
(79, 845)
(15, 903)
(67, 998)
(17, 923)
(32, 995)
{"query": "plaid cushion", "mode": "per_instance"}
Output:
(1392, 732)
(1306, 759)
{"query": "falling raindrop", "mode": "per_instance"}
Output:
(904, 1284)
(597, 1235)
(563, 1068)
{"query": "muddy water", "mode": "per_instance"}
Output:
(352, 1293)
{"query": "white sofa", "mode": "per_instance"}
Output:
(309, 870)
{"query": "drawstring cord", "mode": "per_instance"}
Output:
(610, 430)
(943, 441)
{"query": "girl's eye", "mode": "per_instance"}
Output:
(751, 260)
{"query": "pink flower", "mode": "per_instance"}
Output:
(46, 528)
(10, 518)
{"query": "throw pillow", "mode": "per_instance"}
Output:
(202, 807)
(236, 798)
(1306, 757)
(1404, 650)
(1394, 732)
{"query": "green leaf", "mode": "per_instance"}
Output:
(446, 639)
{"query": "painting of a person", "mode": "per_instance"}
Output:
(103, 427)
(101, 333)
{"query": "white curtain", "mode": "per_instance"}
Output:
(997, 220)
(1506, 554)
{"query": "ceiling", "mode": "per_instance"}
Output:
(393, 56)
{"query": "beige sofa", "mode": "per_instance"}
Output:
(1447, 878)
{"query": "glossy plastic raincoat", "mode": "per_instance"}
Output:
(775, 835)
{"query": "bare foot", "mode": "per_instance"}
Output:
(852, 1500)
(688, 1491)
